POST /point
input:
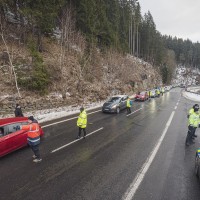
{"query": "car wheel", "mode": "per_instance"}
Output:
(118, 110)
(197, 166)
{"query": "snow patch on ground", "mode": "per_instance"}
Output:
(56, 113)
(191, 96)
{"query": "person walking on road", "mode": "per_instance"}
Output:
(82, 122)
(193, 123)
(33, 137)
(128, 105)
(18, 111)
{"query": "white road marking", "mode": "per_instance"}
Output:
(67, 120)
(141, 174)
(134, 112)
(75, 141)
(175, 107)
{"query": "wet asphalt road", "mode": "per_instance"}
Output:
(103, 166)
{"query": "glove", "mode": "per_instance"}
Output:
(17, 127)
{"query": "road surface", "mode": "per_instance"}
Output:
(141, 156)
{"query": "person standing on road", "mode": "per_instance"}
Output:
(191, 111)
(193, 123)
(150, 94)
(82, 122)
(158, 92)
(33, 137)
(18, 111)
(128, 105)
(162, 90)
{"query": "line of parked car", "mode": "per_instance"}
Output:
(118, 102)
(12, 139)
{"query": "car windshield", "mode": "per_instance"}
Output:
(114, 99)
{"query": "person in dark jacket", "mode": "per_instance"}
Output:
(18, 111)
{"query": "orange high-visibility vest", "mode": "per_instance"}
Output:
(33, 133)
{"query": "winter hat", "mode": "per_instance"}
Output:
(196, 106)
(31, 118)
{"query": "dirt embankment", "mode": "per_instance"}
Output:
(75, 77)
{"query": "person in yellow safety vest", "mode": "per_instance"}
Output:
(193, 123)
(82, 122)
(128, 106)
(33, 137)
(158, 92)
(150, 94)
(162, 90)
(191, 111)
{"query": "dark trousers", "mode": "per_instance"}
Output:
(194, 132)
(191, 131)
(36, 151)
(128, 109)
(84, 131)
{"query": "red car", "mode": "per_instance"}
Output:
(10, 138)
(142, 96)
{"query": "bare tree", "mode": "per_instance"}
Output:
(12, 67)
(70, 41)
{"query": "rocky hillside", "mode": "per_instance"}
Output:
(79, 79)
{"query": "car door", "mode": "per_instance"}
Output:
(15, 138)
(18, 138)
(124, 100)
(3, 147)
(6, 142)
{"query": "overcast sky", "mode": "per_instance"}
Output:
(179, 18)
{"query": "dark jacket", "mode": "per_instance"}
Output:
(18, 112)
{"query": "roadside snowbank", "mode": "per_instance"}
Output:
(191, 96)
(56, 113)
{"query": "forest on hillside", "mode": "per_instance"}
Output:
(116, 25)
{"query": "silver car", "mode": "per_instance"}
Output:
(115, 104)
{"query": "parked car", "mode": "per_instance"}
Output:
(167, 88)
(12, 139)
(142, 96)
(197, 163)
(153, 94)
(115, 104)
(182, 86)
